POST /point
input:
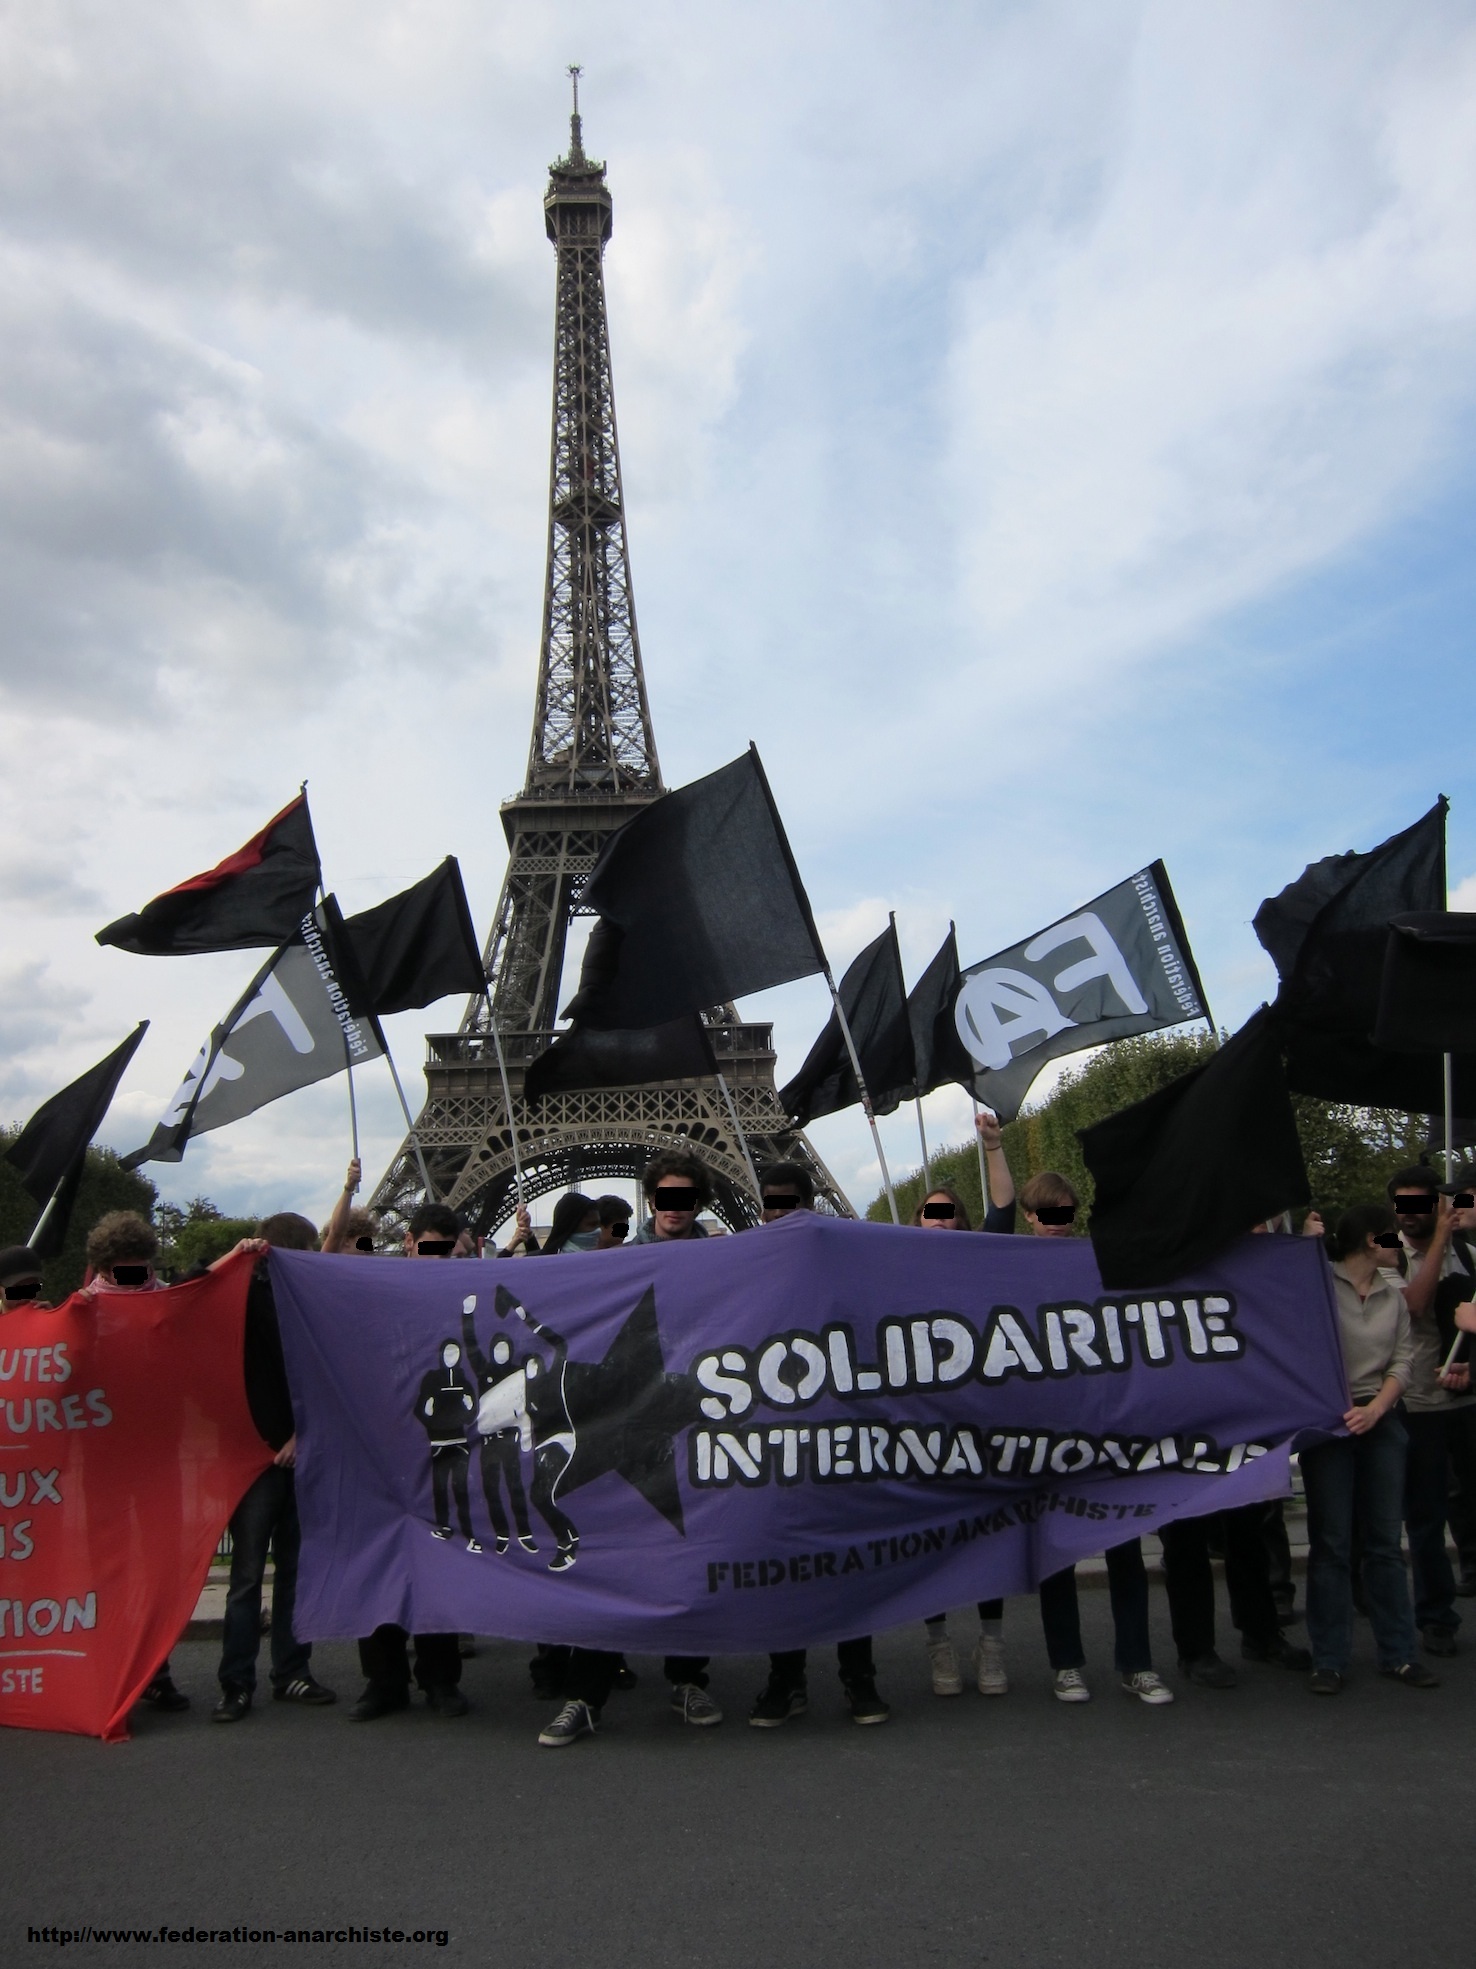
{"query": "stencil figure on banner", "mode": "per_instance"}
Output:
(786, 1187)
(1438, 1405)
(675, 1187)
(861, 1422)
(265, 1521)
(128, 1405)
(383, 1655)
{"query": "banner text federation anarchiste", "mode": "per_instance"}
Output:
(797, 1435)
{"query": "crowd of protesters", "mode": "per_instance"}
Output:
(1404, 1274)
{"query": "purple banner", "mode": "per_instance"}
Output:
(807, 1432)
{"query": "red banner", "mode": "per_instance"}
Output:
(125, 1445)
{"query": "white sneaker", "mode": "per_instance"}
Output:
(943, 1666)
(989, 1667)
(1146, 1686)
(1070, 1687)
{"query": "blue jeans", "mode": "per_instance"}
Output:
(265, 1518)
(1367, 1471)
(1127, 1583)
(1426, 1485)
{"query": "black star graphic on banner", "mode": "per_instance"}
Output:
(626, 1411)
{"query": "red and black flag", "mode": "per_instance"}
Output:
(254, 899)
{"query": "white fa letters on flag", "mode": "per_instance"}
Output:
(1119, 966)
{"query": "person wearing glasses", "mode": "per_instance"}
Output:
(785, 1188)
(1438, 1401)
(1364, 1469)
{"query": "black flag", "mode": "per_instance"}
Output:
(1328, 935)
(874, 1000)
(1326, 932)
(1427, 996)
(252, 900)
(1118, 966)
(938, 1054)
(411, 950)
(51, 1150)
(291, 1027)
(586, 1058)
(699, 902)
(1185, 1172)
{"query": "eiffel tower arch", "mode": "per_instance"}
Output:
(591, 765)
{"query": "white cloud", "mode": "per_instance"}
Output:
(974, 365)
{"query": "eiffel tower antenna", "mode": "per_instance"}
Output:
(592, 765)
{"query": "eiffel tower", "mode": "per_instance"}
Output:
(591, 766)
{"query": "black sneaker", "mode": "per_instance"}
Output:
(1207, 1671)
(302, 1688)
(1281, 1653)
(232, 1706)
(374, 1703)
(1325, 1682)
(1413, 1674)
(866, 1705)
(574, 1720)
(1439, 1640)
(444, 1699)
(776, 1702)
(162, 1694)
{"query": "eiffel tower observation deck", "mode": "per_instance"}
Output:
(592, 765)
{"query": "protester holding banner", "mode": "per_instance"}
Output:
(1432, 1233)
(20, 1278)
(675, 1185)
(1365, 1469)
(266, 1518)
(784, 1188)
(383, 1656)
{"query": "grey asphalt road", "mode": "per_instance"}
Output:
(1258, 1826)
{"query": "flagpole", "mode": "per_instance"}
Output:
(983, 1173)
(348, 1067)
(742, 1139)
(512, 1126)
(1449, 1119)
(45, 1217)
(845, 1027)
(922, 1136)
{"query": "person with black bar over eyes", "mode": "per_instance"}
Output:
(785, 1188)
(676, 1186)
(1439, 1406)
(432, 1232)
(1049, 1205)
(1363, 1470)
(21, 1280)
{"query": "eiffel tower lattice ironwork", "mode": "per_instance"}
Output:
(591, 766)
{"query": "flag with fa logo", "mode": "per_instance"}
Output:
(1118, 966)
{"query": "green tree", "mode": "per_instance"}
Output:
(1350, 1152)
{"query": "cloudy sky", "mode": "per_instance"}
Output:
(1047, 430)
